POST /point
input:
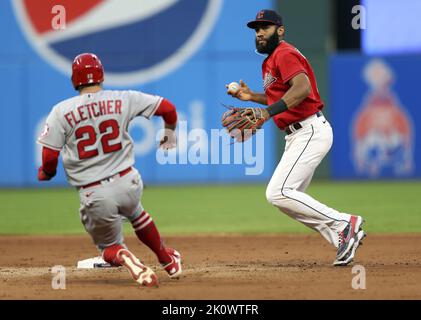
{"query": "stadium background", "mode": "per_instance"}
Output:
(370, 172)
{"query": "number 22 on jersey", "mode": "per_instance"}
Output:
(107, 146)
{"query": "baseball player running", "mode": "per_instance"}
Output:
(91, 133)
(294, 104)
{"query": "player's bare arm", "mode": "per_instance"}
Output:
(300, 89)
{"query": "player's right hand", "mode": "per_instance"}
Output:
(169, 140)
(43, 176)
(244, 93)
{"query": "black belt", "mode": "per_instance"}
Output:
(298, 126)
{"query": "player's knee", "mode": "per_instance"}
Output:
(269, 195)
(277, 198)
(273, 195)
(109, 254)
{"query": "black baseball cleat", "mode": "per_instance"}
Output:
(349, 240)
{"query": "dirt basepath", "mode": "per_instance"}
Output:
(217, 267)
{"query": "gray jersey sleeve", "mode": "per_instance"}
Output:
(143, 104)
(53, 135)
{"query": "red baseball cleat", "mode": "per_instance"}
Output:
(174, 267)
(140, 273)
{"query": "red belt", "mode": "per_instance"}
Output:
(121, 173)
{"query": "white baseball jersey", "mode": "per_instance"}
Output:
(91, 131)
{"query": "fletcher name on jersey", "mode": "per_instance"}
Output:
(93, 110)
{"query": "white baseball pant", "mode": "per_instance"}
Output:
(304, 150)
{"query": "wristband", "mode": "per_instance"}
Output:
(277, 107)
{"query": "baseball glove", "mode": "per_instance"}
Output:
(242, 123)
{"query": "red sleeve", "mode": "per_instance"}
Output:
(49, 160)
(167, 111)
(290, 64)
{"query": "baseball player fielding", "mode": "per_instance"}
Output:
(294, 104)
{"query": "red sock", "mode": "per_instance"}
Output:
(110, 254)
(147, 232)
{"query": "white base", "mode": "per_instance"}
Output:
(91, 263)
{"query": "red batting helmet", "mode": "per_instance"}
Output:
(87, 69)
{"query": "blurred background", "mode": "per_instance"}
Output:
(366, 55)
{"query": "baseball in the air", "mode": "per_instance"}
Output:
(233, 87)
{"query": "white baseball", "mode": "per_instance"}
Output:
(233, 87)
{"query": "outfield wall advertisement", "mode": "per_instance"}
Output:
(185, 51)
(376, 117)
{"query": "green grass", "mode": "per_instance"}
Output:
(393, 207)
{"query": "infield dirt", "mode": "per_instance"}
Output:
(228, 267)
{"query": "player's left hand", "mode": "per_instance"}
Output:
(242, 123)
(43, 176)
(169, 140)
